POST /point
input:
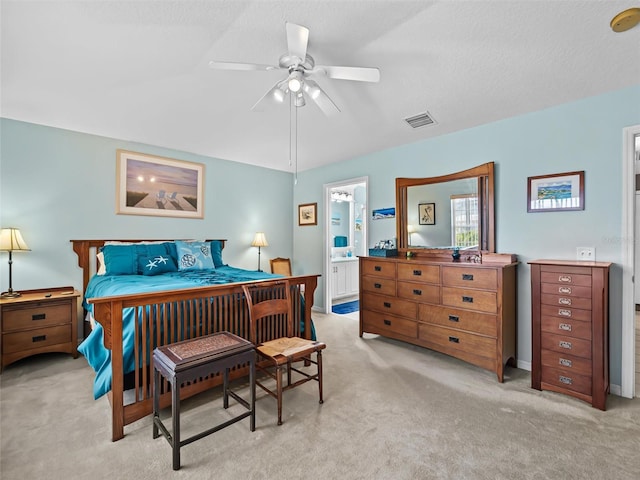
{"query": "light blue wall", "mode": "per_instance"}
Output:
(584, 135)
(57, 185)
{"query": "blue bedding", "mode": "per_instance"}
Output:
(108, 285)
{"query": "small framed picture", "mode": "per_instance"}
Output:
(427, 213)
(307, 214)
(555, 193)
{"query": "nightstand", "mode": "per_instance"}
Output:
(39, 321)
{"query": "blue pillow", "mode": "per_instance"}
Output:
(121, 259)
(156, 264)
(194, 255)
(216, 253)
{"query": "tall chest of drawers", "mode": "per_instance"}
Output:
(570, 328)
(465, 310)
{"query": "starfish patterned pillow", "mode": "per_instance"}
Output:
(156, 264)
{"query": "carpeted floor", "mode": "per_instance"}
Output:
(344, 308)
(391, 411)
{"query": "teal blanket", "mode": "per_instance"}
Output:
(92, 348)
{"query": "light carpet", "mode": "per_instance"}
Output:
(391, 411)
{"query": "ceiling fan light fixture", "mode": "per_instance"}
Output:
(312, 90)
(295, 81)
(299, 100)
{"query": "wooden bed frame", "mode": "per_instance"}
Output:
(203, 310)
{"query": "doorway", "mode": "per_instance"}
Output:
(345, 240)
(630, 383)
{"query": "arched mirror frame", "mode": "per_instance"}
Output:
(486, 227)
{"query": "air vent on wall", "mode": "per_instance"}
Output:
(420, 120)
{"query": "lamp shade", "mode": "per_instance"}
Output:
(11, 241)
(260, 240)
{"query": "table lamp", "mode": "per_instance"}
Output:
(11, 241)
(260, 240)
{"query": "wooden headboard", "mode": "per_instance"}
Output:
(87, 251)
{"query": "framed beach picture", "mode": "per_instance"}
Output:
(556, 192)
(158, 186)
(307, 214)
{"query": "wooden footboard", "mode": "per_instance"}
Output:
(169, 316)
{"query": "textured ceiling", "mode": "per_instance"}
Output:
(138, 70)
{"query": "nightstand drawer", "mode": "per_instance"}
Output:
(37, 338)
(36, 316)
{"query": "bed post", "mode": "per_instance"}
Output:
(310, 285)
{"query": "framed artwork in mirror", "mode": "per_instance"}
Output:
(427, 213)
(555, 193)
(307, 214)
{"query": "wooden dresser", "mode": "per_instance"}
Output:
(466, 310)
(570, 328)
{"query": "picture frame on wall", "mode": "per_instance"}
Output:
(307, 214)
(427, 213)
(556, 192)
(158, 186)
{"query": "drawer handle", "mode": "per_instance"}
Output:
(563, 312)
(564, 278)
(39, 338)
(377, 268)
(467, 276)
(387, 322)
(417, 273)
(566, 345)
(565, 363)
(417, 292)
(564, 290)
(565, 380)
(387, 304)
(39, 316)
(454, 318)
(454, 339)
(564, 326)
(377, 285)
(564, 301)
(466, 299)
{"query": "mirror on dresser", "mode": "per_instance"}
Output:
(447, 212)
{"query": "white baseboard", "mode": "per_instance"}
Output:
(524, 365)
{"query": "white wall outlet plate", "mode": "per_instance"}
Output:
(586, 253)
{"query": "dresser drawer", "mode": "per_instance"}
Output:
(419, 292)
(418, 272)
(41, 337)
(385, 286)
(451, 339)
(376, 322)
(469, 277)
(565, 344)
(570, 363)
(565, 278)
(378, 268)
(389, 305)
(565, 290)
(566, 301)
(564, 312)
(36, 316)
(566, 379)
(471, 299)
(564, 326)
(463, 319)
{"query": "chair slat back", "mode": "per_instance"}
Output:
(269, 303)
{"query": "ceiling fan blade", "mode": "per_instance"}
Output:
(240, 66)
(358, 74)
(276, 95)
(315, 93)
(297, 40)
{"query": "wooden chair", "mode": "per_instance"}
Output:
(269, 304)
(281, 266)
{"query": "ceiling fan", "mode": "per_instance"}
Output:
(301, 67)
